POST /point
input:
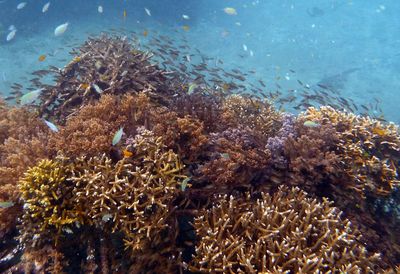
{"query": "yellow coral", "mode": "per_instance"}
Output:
(48, 205)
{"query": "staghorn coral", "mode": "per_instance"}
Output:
(235, 162)
(108, 65)
(134, 197)
(286, 232)
(369, 150)
(23, 141)
(260, 116)
(48, 205)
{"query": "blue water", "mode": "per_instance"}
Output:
(286, 41)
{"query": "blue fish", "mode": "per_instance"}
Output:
(30, 97)
(52, 126)
(117, 136)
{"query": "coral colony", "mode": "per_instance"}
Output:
(121, 166)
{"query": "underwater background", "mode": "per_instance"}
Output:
(199, 136)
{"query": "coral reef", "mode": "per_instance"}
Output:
(260, 116)
(108, 65)
(23, 141)
(286, 232)
(153, 171)
(369, 150)
(134, 197)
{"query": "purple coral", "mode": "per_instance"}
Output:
(235, 135)
(276, 144)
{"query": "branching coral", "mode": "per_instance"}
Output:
(234, 163)
(107, 65)
(135, 197)
(369, 150)
(284, 232)
(259, 116)
(48, 205)
(23, 141)
(90, 131)
(311, 158)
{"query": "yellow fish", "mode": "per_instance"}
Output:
(84, 86)
(76, 59)
(124, 14)
(379, 131)
(42, 58)
(230, 11)
(127, 153)
(186, 28)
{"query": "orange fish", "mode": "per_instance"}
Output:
(127, 153)
(42, 58)
(186, 28)
(145, 33)
(379, 131)
(84, 86)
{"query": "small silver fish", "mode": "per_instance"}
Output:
(184, 183)
(225, 155)
(106, 217)
(97, 89)
(117, 136)
(52, 126)
(147, 11)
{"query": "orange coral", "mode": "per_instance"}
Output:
(23, 141)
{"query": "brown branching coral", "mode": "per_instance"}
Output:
(23, 142)
(235, 164)
(259, 116)
(369, 150)
(107, 65)
(90, 131)
(284, 232)
(311, 157)
(134, 197)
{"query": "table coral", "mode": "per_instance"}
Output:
(284, 232)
